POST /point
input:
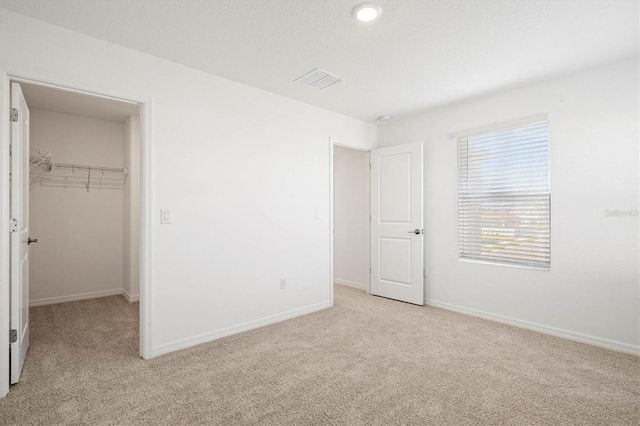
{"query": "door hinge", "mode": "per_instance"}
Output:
(13, 114)
(13, 225)
(369, 166)
(369, 269)
(13, 336)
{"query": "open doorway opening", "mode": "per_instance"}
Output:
(377, 222)
(84, 222)
(351, 217)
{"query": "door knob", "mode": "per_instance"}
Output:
(416, 231)
(29, 241)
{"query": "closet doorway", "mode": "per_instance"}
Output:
(84, 209)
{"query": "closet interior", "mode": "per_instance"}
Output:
(84, 196)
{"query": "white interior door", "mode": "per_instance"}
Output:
(397, 223)
(20, 231)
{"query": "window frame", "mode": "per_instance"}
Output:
(465, 256)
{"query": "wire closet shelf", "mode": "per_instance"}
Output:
(47, 173)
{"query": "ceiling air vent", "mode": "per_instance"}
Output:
(319, 79)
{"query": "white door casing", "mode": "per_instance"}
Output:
(397, 238)
(19, 238)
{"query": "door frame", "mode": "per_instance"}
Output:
(146, 290)
(332, 145)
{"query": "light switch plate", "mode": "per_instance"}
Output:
(165, 216)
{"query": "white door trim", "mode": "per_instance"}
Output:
(331, 251)
(332, 144)
(5, 280)
(146, 258)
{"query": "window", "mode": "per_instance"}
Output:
(504, 198)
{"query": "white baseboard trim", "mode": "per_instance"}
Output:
(553, 331)
(214, 335)
(75, 297)
(130, 297)
(353, 284)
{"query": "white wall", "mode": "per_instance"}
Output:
(591, 291)
(132, 210)
(351, 216)
(79, 249)
(242, 169)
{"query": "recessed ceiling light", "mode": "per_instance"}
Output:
(367, 11)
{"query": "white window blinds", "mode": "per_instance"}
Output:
(504, 199)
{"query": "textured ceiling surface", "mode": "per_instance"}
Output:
(418, 55)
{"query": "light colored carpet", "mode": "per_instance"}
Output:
(368, 360)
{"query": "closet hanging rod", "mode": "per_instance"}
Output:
(92, 168)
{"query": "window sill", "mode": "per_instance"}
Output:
(483, 262)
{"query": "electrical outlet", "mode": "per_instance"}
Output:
(283, 283)
(425, 272)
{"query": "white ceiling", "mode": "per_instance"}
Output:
(418, 55)
(67, 102)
